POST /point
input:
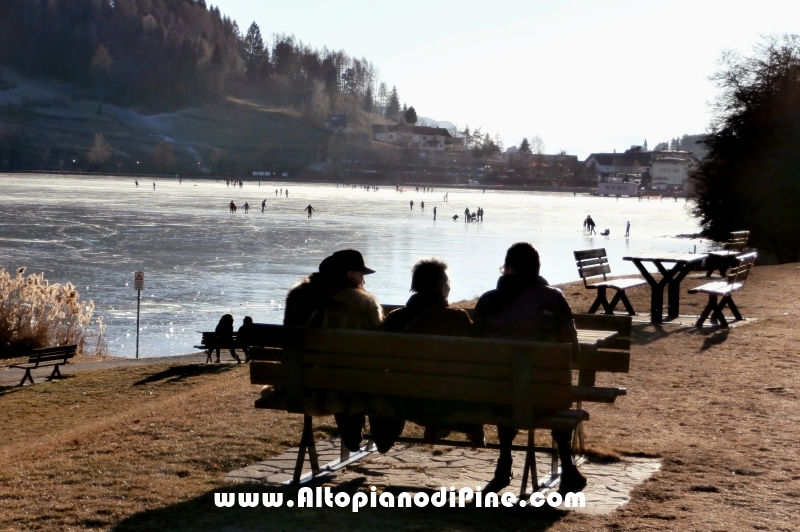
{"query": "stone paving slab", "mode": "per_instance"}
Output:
(418, 467)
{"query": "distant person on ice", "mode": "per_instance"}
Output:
(136, 183)
(422, 205)
(287, 192)
(232, 207)
(154, 185)
(434, 213)
(411, 203)
(309, 210)
(263, 204)
(627, 230)
(246, 207)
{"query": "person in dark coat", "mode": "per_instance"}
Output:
(242, 336)
(224, 330)
(524, 307)
(334, 298)
(427, 312)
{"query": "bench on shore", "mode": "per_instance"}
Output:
(605, 344)
(723, 259)
(594, 263)
(526, 385)
(49, 356)
(211, 342)
(734, 282)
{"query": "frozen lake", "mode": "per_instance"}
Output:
(201, 262)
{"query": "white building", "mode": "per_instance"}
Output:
(670, 169)
(415, 137)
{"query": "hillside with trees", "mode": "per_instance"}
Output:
(168, 54)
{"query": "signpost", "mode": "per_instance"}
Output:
(138, 285)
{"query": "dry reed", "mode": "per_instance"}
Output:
(35, 313)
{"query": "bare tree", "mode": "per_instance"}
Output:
(100, 152)
(101, 63)
(164, 156)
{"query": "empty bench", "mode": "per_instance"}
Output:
(593, 263)
(526, 385)
(49, 356)
(720, 293)
(722, 259)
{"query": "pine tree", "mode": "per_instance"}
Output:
(255, 55)
(393, 105)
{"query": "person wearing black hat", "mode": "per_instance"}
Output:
(334, 298)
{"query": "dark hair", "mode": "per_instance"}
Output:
(247, 320)
(226, 317)
(524, 259)
(428, 275)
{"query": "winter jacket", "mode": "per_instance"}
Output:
(340, 308)
(428, 314)
(521, 309)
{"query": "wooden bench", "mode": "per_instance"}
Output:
(594, 263)
(605, 344)
(734, 282)
(500, 382)
(49, 356)
(610, 355)
(723, 259)
(211, 343)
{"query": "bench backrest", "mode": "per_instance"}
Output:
(738, 241)
(592, 263)
(521, 375)
(210, 338)
(50, 354)
(739, 272)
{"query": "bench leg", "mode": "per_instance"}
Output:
(26, 377)
(601, 300)
(56, 373)
(530, 466)
(712, 301)
(728, 300)
(578, 442)
(306, 444)
(208, 355)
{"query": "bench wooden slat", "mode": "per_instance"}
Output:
(592, 271)
(438, 348)
(266, 373)
(597, 394)
(619, 284)
(590, 254)
(610, 361)
(495, 391)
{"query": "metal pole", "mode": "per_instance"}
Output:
(138, 296)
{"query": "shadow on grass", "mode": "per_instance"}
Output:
(179, 373)
(201, 514)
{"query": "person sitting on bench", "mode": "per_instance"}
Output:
(334, 298)
(427, 312)
(524, 307)
(224, 332)
(242, 335)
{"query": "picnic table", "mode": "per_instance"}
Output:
(671, 278)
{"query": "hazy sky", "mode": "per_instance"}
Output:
(584, 75)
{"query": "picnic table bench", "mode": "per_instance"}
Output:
(48, 356)
(211, 342)
(734, 282)
(593, 263)
(723, 259)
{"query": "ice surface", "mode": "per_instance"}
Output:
(201, 262)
